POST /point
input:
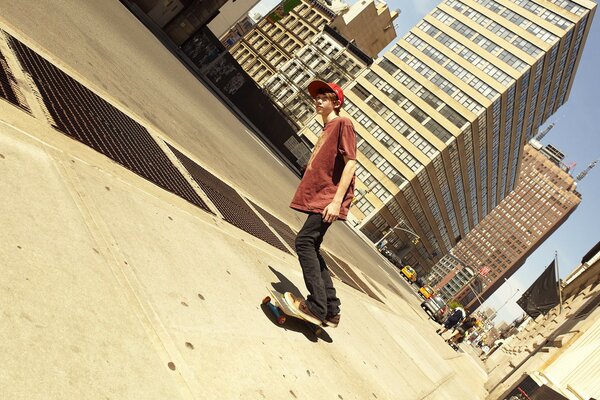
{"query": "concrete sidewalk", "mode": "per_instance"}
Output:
(120, 290)
(115, 288)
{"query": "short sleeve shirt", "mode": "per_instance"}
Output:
(324, 170)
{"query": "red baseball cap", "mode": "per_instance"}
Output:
(315, 85)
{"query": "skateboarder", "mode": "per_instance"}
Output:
(325, 194)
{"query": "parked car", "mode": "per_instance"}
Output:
(436, 307)
(426, 292)
(408, 273)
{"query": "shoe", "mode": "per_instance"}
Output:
(300, 306)
(332, 321)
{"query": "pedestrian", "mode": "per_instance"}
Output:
(458, 314)
(324, 194)
(462, 330)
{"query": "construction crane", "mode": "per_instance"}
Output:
(586, 171)
(543, 133)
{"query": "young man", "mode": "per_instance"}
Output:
(325, 194)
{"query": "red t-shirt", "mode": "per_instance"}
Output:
(324, 170)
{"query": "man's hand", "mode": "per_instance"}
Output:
(332, 211)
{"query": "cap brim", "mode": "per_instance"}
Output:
(314, 86)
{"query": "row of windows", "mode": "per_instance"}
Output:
(450, 65)
(482, 124)
(433, 77)
(468, 138)
(570, 6)
(395, 148)
(371, 183)
(507, 34)
(460, 190)
(433, 206)
(529, 131)
(417, 210)
(393, 119)
(560, 75)
(544, 94)
(440, 173)
(495, 146)
(510, 103)
(574, 56)
(401, 101)
(546, 14)
(420, 91)
(474, 59)
(336, 54)
(365, 205)
(284, 39)
(519, 132)
(519, 20)
(481, 40)
(379, 161)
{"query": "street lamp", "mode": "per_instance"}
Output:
(475, 274)
(400, 228)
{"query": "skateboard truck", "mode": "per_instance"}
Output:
(281, 310)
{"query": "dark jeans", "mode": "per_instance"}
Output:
(322, 300)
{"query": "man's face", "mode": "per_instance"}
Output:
(323, 105)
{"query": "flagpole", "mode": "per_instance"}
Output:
(558, 277)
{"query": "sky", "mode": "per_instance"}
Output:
(576, 134)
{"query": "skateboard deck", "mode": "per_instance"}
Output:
(280, 307)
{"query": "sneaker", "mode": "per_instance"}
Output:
(300, 306)
(332, 321)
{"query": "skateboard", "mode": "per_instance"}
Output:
(282, 309)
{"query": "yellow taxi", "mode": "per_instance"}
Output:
(408, 273)
(426, 292)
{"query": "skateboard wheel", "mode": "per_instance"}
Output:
(281, 320)
(266, 300)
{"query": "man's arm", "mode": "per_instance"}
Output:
(332, 211)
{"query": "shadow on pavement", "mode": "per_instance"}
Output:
(284, 284)
(291, 323)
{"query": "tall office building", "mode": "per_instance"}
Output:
(442, 118)
(543, 199)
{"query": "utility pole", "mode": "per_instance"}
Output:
(475, 275)
(400, 228)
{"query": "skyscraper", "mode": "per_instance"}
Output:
(442, 118)
(543, 199)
